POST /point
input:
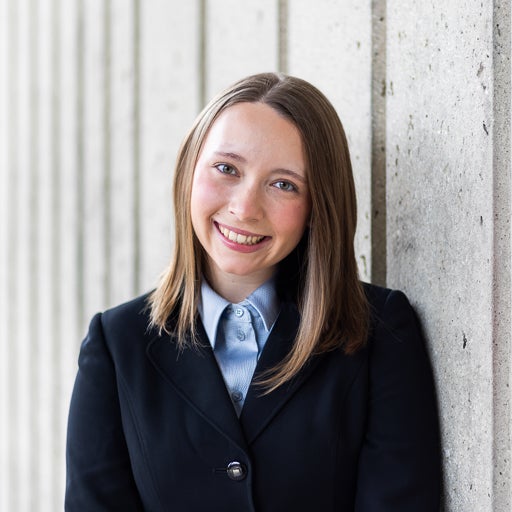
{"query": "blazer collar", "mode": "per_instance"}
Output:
(259, 409)
(195, 375)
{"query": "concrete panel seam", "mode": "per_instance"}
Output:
(500, 131)
(283, 36)
(33, 244)
(378, 147)
(12, 255)
(56, 212)
(107, 155)
(136, 147)
(80, 163)
(202, 57)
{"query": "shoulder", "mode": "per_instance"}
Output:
(127, 324)
(387, 306)
(128, 315)
(395, 333)
(119, 336)
(395, 337)
(380, 297)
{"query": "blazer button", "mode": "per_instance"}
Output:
(236, 471)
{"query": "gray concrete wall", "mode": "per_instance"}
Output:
(95, 96)
(448, 224)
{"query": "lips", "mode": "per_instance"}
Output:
(240, 238)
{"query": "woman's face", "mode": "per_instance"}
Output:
(250, 199)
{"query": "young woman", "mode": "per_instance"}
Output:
(261, 375)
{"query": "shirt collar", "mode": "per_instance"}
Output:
(211, 306)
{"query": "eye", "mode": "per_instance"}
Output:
(226, 169)
(285, 186)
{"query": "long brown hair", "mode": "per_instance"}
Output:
(330, 298)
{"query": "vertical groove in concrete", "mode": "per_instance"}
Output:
(501, 132)
(34, 400)
(56, 213)
(80, 163)
(282, 39)
(12, 252)
(378, 112)
(107, 154)
(202, 57)
(136, 148)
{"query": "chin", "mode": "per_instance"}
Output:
(237, 271)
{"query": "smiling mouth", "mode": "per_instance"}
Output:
(239, 238)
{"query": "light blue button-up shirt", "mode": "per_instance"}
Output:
(238, 333)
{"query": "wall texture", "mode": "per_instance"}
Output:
(95, 96)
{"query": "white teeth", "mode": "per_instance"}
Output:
(240, 239)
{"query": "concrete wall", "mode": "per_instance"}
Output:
(95, 96)
(448, 223)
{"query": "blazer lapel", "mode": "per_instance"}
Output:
(195, 375)
(259, 409)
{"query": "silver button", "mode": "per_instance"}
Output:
(237, 396)
(236, 471)
(239, 312)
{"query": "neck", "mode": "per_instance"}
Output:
(235, 288)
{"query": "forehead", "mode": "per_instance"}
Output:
(255, 130)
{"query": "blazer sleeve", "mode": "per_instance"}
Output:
(399, 467)
(99, 475)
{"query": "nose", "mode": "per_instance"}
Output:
(246, 202)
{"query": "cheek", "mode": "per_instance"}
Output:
(292, 221)
(197, 208)
(202, 199)
(206, 190)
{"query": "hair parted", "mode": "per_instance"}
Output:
(330, 298)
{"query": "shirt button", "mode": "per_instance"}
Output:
(240, 335)
(237, 396)
(239, 312)
(236, 471)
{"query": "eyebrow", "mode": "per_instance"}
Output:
(240, 158)
(233, 156)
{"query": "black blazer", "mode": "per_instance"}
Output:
(153, 429)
